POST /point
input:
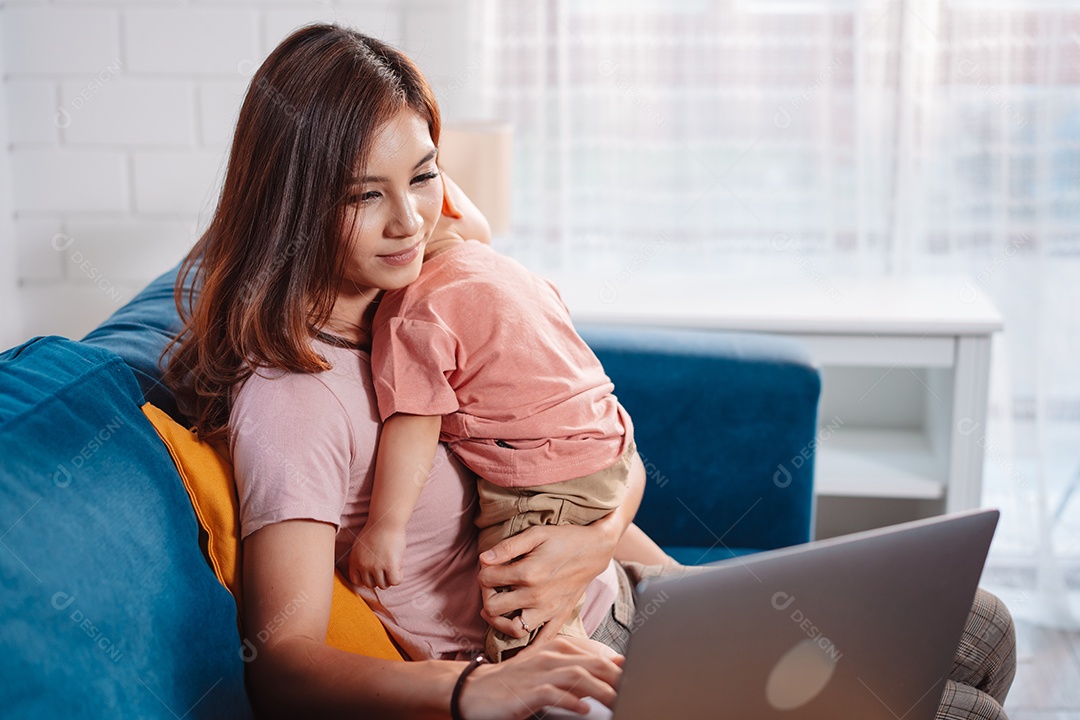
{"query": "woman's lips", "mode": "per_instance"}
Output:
(404, 257)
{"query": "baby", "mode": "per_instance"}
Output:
(481, 354)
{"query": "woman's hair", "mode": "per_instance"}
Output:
(266, 271)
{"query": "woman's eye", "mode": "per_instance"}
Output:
(359, 198)
(421, 179)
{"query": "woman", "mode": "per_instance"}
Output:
(331, 190)
(286, 271)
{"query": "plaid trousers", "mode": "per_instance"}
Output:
(983, 667)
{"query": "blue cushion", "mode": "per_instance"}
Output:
(108, 607)
(718, 417)
(139, 331)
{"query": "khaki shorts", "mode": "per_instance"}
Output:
(505, 512)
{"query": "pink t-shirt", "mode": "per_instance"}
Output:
(303, 447)
(491, 347)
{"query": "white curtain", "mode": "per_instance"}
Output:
(882, 138)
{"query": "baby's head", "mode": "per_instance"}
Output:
(461, 219)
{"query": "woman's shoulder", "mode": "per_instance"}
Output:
(342, 393)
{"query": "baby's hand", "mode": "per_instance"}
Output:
(470, 223)
(375, 558)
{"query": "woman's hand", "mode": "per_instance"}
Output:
(558, 564)
(557, 674)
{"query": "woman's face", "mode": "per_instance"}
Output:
(393, 208)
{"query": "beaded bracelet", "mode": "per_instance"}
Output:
(455, 697)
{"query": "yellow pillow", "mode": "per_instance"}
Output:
(208, 478)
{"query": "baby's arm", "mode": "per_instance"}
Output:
(635, 545)
(407, 447)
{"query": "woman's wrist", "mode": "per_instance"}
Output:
(459, 686)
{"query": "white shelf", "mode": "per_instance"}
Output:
(870, 463)
(931, 307)
(880, 350)
(905, 367)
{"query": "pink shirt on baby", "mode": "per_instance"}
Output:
(491, 347)
(303, 447)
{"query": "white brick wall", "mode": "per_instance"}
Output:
(219, 102)
(40, 38)
(136, 112)
(11, 319)
(36, 102)
(178, 181)
(68, 180)
(184, 39)
(38, 260)
(119, 115)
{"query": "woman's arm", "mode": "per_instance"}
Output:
(289, 566)
(288, 581)
(559, 563)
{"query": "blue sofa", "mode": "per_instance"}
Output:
(109, 608)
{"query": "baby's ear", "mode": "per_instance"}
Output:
(448, 208)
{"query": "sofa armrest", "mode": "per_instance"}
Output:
(108, 608)
(718, 417)
(140, 331)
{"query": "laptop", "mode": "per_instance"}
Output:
(861, 626)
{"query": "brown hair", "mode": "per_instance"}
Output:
(268, 266)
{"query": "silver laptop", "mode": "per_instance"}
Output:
(862, 626)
